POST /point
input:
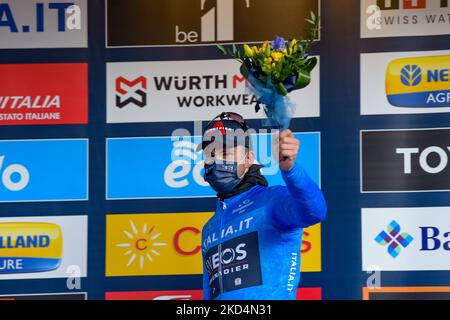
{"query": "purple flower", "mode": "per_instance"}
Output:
(278, 43)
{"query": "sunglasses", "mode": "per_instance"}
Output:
(231, 116)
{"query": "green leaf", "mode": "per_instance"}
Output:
(281, 89)
(222, 49)
(303, 79)
(313, 16)
(268, 52)
(244, 70)
(247, 51)
(266, 68)
(310, 64)
(235, 50)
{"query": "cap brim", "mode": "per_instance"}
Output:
(204, 144)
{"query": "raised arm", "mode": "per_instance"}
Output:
(301, 203)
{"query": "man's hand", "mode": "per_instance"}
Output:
(288, 150)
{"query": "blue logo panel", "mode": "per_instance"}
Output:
(43, 170)
(164, 167)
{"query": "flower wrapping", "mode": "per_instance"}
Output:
(279, 109)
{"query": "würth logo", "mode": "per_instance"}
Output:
(131, 92)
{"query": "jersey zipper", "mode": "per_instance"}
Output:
(224, 207)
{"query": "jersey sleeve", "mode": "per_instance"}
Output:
(206, 288)
(299, 204)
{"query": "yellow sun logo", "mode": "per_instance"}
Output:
(142, 245)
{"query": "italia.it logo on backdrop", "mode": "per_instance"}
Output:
(68, 16)
(394, 239)
(419, 82)
(217, 24)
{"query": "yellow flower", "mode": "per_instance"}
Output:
(293, 43)
(266, 49)
(264, 46)
(273, 65)
(256, 50)
(277, 56)
(293, 46)
(248, 51)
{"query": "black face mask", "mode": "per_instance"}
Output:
(222, 177)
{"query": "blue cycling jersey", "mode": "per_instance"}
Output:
(251, 245)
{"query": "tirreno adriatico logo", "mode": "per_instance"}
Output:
(419, 82)
(394, 239)
(30, 247)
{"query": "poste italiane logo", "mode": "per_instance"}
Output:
(419, 82)
(30, 247)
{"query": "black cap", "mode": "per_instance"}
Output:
(231, 128)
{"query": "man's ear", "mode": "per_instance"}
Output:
(249, 158)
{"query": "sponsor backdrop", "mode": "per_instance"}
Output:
(99, 201)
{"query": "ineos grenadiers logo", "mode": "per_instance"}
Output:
(235, 265)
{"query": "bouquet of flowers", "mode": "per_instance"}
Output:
(276, 68)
